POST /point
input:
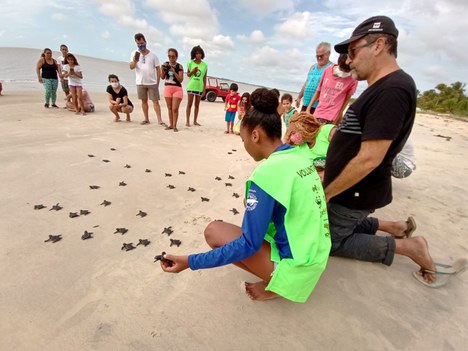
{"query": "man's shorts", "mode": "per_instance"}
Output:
(145, 92)
(230, 116)
(64, 83)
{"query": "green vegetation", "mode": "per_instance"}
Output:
(445, 99)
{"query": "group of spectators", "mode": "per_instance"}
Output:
(294, 220)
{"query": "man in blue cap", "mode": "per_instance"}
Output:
(373, 130)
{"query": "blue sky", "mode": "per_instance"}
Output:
(264, 42)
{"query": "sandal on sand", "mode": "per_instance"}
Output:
(162, 124)
(441, 279)
(167, 128)
(197, 124)
(459, 266)
(144, 122)
(411, 227)
(117, 120)
(176, 130)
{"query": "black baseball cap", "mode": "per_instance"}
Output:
(373, 25)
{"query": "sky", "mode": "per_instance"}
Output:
(263, 42)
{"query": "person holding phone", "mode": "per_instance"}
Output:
(173, 74)
(197, 71)
(147, 71)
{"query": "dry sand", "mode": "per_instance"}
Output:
(90, 295)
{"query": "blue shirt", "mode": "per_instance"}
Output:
(261, 208)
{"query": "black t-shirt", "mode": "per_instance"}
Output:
(170, 78)
(120, 94)
(384, 111)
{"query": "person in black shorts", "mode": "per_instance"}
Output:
(374, 129)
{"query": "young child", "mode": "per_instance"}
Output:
(288, 109)
(72, 71)
(244, 106)
(232, 100)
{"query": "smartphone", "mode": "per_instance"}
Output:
(137, 56)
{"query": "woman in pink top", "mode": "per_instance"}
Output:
(335, 89)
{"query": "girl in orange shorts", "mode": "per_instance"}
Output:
(173, 74)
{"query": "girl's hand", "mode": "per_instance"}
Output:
(39, 79)
(178, 264)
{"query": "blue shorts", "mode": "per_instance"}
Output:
(230, 116)
(196, 93)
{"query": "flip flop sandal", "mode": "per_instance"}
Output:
(441, 279)
(411, 227)
(144, 122)
(459, 266)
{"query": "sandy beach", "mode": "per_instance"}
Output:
(91, 295)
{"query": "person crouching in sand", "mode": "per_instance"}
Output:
(118, 98)
(284, 239)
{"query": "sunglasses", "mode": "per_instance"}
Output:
(352, 52)
(319, 57)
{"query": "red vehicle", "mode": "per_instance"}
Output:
(215, 89)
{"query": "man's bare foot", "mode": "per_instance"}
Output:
(257, 292)
(187, 124)
(196, 124)
(417, 249)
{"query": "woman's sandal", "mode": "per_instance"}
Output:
(144, 122)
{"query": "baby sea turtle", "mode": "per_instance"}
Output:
(84, 212)
(122, 183)
(167, 230)
(144, 242)
(87, 235)
(89, 155)
(181, 172)
(228, 184)
(163, 259)
(105, 161)
(39, 207)
(73, 214)
(236, 195)
(127, 166)
(234, 150)
(94, 187)
(56, 207)
(121, 230)
(141, 214)
(54, 238)
(112, 149)
(170, 186)
(217, 178)
(105, 203)
(127, 247)
(191, 189)
(233, 210)
(204, 199)
(231, 177)
(168, 174)
(229, 153)
(175, 242)
(148, 170)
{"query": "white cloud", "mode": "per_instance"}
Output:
(255, 37)
(298, 26)
(58, 17)
(105, 34)
(266, 6)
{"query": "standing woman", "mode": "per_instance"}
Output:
(196, 71)
(48, 72)
(72, 71)
(173, 74)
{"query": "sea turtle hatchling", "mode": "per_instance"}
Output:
(163, 259)
(122, 183)
(144, 242)
(148, 170)
(236, 195)
(233, 210)
(105, 161)
(175, 242)
(191, 189)
(141, 214)
(127, 247)
(231, 177)
(54, 238)
(127, 166)
(121, 230)
(87, 235)
(167, 175)
(73, 214)
(39, 207)
(228, 184)
(94, 187)
(181, 172)
(112, 149)
(170, 186)
(105, 203)
(90, 155)
(218, 178)
(56, 207)
(167, 230)
(204, 199)
(84, 212)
